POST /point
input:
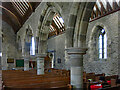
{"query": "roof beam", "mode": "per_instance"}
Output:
(55, 26)
(30, 6)
(103, 10)
(97, 10)
(11, 18)
(115, 6)
(11, 8)
(109, 8)
(92, 15)
(34, 5)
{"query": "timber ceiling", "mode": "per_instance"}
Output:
(16, 13)
(104, 7)
(101, 9)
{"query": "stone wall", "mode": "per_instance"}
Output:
(57, 44)
(36, 20)
(108, 66)
(91, 64)
(119, 44)
(9, 48)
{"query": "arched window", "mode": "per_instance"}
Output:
(102, 44)
(32, 46)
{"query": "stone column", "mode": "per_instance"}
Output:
(4, 61)
(0, 51)
(69, 36)
(76, 59)
(0, 79)
(26, 63)
(40, 63)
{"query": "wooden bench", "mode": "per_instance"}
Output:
(111, 88)
(26, 79)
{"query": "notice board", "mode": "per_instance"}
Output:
(19, 62)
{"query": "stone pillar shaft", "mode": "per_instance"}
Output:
(68, 43)
(26, 64)
(76, 59)
(0, 52)
(40, 64)
(0, 79)
(4, 64)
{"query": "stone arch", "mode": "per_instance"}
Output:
(29, 33)
(19, 43)
(83, 16)
(96, 26)
(47, 16)
(44, 26)
(27, 40)
(77, 26)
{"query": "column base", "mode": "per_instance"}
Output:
(77, 77)
(40, 72)
(77, 87)
(26, 69)
(26, 63)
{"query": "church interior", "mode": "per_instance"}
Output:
(59, 45)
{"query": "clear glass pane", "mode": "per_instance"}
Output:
(105, 41)
(105, 56)
(105, 51)
(100, 56)
(102, 30)
(100, 45)
(32, 49)
(100, 41)
(100, 51)
(105, 46)
(100, 37)
(0, 54)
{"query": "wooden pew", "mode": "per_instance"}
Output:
(111, 77)
(111, 88)
(21, 79)
(1, 82)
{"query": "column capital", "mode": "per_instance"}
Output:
(26, 57)
(41, 55)
(32, 56)
(76, 50)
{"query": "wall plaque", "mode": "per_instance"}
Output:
(10, 60)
